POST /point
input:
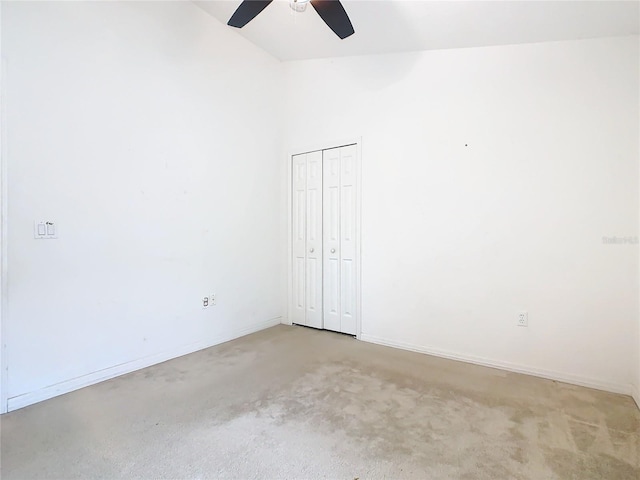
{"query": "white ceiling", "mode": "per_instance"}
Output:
(386, 26)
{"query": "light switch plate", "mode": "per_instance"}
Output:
(45, 230)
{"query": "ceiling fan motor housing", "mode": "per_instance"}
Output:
(331, 11)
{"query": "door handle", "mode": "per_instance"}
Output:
(311, 250)
(333, 250)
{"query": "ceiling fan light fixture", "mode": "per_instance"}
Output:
(298, 5)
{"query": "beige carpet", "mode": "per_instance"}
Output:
(291, 402)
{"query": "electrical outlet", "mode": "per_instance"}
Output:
(523, 319)
(213, 299)
(205, 302)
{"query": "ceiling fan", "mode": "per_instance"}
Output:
(331, 11)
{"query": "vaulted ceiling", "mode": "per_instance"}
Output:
(386, 26)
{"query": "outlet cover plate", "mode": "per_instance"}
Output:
(523, 319)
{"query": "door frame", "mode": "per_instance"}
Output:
(313, 148)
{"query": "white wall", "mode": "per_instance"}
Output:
(636, 389)
(150, 133)
(457, 239)
(3, 243)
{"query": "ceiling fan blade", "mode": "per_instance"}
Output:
(247, 11)
(334, 15)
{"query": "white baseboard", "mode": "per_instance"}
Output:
(511, 367)
(67, 386)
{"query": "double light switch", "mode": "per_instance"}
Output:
(45, 229)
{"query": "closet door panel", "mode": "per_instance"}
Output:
(348, 271)
(298, 220)
(314, 265)
(331, 243)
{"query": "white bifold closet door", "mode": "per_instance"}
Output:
(307, 239)
(339, 239)
(324, 204)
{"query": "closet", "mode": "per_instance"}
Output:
(325, 250)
